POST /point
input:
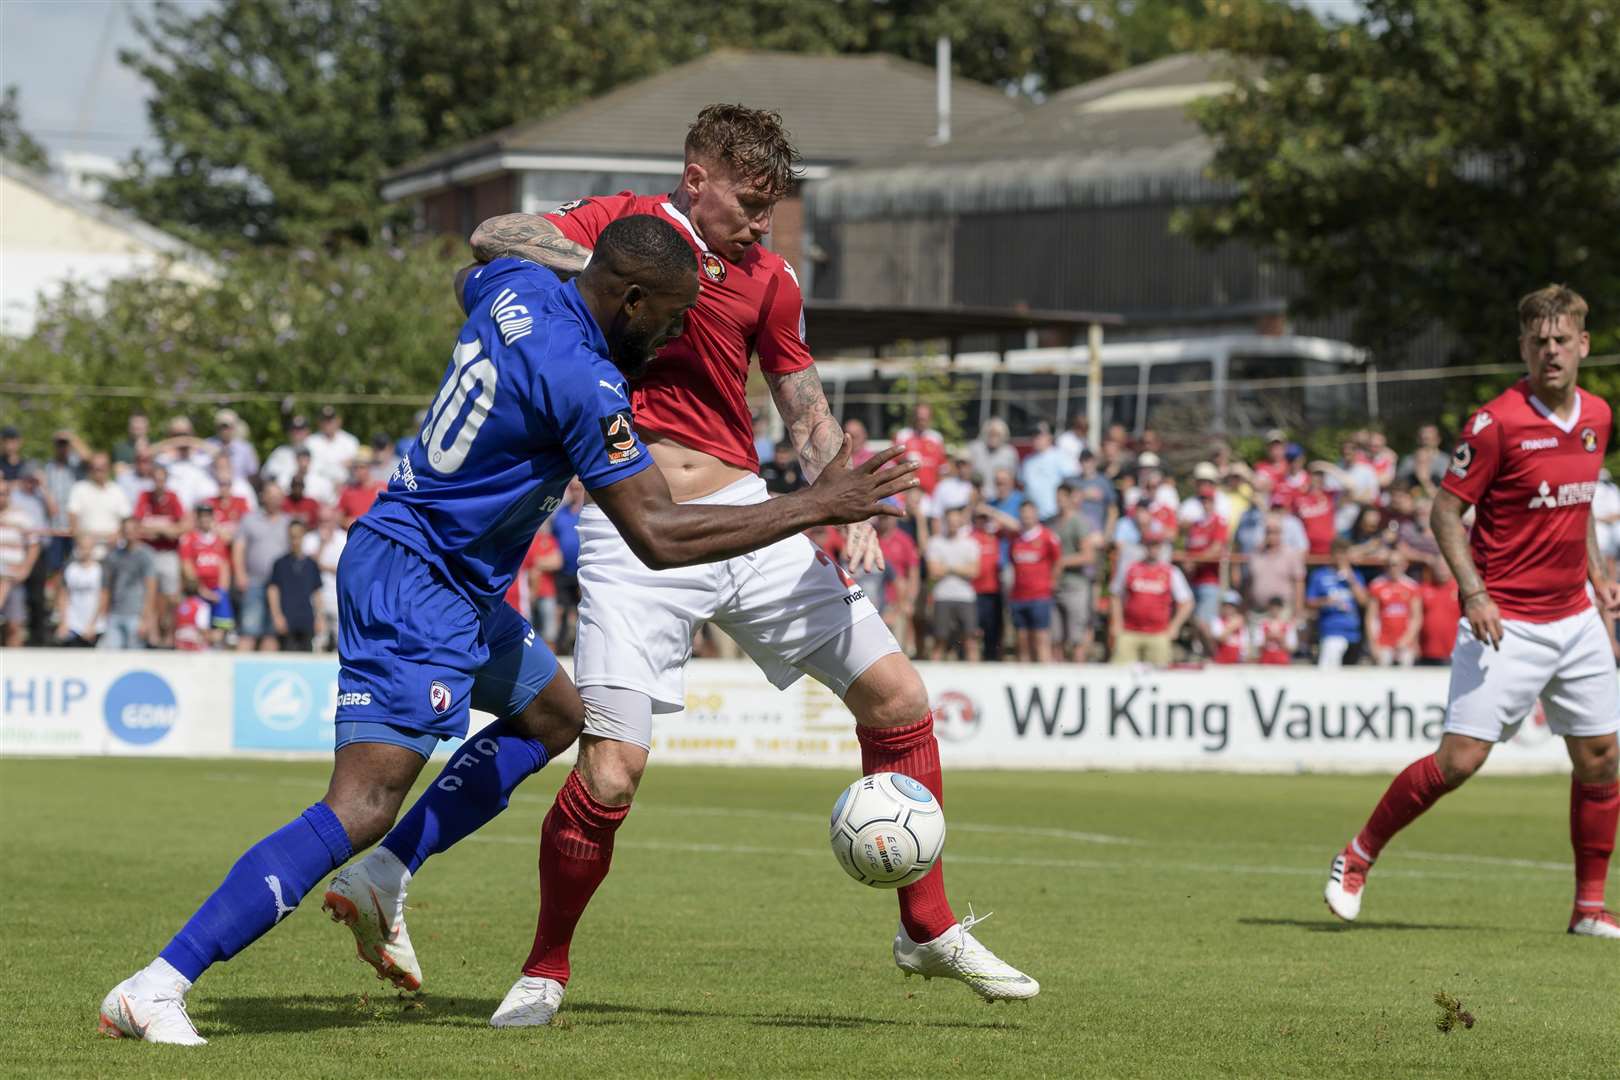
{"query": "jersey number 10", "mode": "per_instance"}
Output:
(470, 374)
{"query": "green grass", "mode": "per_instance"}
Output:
(1199, 948)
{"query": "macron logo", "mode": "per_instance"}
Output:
(617, 389)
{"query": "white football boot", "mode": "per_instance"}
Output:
(1599, 924)
(377, 918)
(1347, 877)
(150, 1006)
(957, 954)
(532, 1002)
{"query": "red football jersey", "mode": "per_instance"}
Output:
(1035, 556)
(355, 500)
(1315, 512)
(1205, 538)
(696, 391)
(1231, 639)
(1278, 640)
(191, 624)
(206, 555)
(989, 580)
(1395, 596)
(927, 449)
(1530, 477)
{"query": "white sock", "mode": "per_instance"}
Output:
(388, 873)
(162, 973)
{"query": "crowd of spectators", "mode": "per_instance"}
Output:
(1063, 547)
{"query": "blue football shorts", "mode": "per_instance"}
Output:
(415, 655)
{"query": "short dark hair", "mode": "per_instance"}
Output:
(750, 142)
(643, 246)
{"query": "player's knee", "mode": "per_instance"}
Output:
(1459, 761)
(611, 770)
(890, 694)
(1596, 761)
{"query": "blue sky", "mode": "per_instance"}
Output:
(75, 95)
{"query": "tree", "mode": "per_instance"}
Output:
(280, 331)
(276, 119)
(15, 143)
(1429, 162)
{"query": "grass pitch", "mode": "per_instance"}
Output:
(1175, 922)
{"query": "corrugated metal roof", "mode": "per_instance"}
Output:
(1123, 138)
(838, 109)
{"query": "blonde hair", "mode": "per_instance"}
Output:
(1552, 302)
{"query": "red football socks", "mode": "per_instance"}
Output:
(1594, 810)
(576, 848)
(1418, 787)
(913, 751)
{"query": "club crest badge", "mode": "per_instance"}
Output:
(1589, 440)
(439, 697)
(714, 267)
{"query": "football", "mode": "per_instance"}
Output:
(887, 830)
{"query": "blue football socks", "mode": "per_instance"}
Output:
(263, 887)
(473, 788)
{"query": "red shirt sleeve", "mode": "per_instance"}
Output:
(1477, 459)
(780, 343)
(583, 220)
(1054, 550)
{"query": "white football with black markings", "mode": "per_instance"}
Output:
(887, 830)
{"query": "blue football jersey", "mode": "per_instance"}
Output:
(530, 399)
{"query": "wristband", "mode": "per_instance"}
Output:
(1470, 596)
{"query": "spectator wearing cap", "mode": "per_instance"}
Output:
(360, 492)
(1075, 598)
(283, 460)
(129, 595)
(1336, 594)
(1275, 570)
(1154, 486)
(1208, 545)
(11, 459)
(953, 561)
(1426, 465)
(97, 506)
(332, 448)
(924, 445)
(299, 506)
(781, 471)
(19, 550)
(989, 610)
(1151, 603)
(229, 444)
(1207, 497)
(1295, 481)
(1075, 440)
(383, 459)
(1042, 471)
(1229, 631)
(136, 438)
(1274, 465)
(991, 453)
(956, 488)
(1035, 554)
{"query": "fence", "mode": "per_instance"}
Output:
(54, 702)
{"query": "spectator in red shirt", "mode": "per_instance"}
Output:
(1394, 615)
(1440, 616)
(1208, 544)
(900, 552)
(1315, 510)
(923, 445)
(987, 585)
(232, 501)
(1229, 630)
(1151, 603)
(1274, 466)
(533, 593)
(359, 493)
(1035, 553)
(1295, 482)
(205, 559)
(1279, 634)
(299, 506)
(163, 521)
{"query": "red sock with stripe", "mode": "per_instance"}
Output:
(1594, 810)
(576, 849)
(1418, 787)
(913, 751)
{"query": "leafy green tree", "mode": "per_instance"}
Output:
(279, 331)
(15, 143)
(276, 119)
(1429, 162)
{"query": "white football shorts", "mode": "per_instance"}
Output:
(780, 604)
(1567, 664)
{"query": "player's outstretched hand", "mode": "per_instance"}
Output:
(1484, 620)
(844, 495)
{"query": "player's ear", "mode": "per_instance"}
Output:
(634, 296)
(693, 177)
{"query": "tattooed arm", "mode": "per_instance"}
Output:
(817, 437)
(532, 237)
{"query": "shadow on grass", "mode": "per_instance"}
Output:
(260, 1015)
(1337, 926)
